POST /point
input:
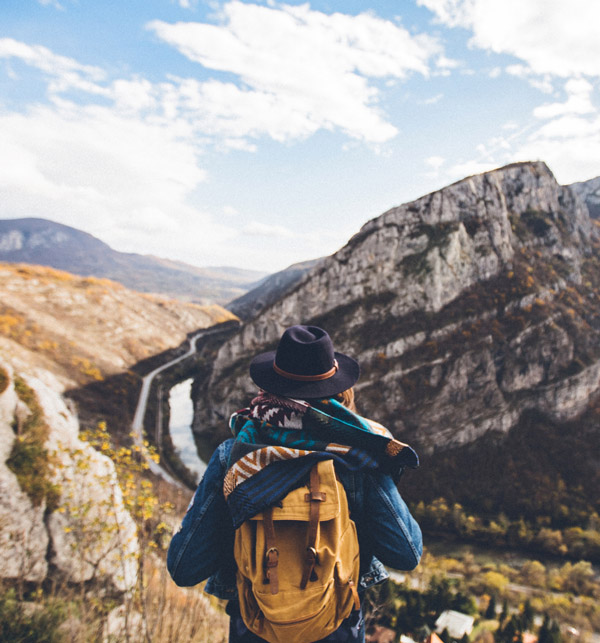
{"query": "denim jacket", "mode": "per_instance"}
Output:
(203, 546)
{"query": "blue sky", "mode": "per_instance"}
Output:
(258, 134)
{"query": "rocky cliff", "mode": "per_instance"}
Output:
(466, 309)
(62, 514)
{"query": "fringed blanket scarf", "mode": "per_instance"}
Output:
(278, 440)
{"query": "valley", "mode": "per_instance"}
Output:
(475, 315)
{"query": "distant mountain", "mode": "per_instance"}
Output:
(269, 290)
(46, 243)
(589, 191)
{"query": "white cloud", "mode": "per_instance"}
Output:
(124, 170)
(304, 69)
(72, 162)
(51, 3)
(551, 36)
(435, 162)
(433, 99)
(447, 63)
(570, 144)
(578, 102)
(552, 39)
(541, 83)
(66, 72)
(121, 159)
(259, 229)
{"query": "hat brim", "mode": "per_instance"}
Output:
(263, 375)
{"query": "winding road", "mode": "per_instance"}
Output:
(137, 426)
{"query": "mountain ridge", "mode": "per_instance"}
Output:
(44, 242)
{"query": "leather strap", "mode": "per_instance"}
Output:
(272, 553)
(315, 497)
(308, 378)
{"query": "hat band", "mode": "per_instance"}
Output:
(307, 378)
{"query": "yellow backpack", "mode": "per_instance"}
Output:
(298, 563)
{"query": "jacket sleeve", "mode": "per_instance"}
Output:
(206, 535)
(395, 537)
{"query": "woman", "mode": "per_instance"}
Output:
(304, 413)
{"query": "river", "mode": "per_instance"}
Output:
(180, 427)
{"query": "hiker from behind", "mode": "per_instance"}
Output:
(297, 515)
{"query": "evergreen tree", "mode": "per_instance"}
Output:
(490, 612)
(555, 635)
(544, 633)
(527, 615)
(445, 636)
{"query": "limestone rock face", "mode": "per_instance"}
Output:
(23, 536)
(465, 308)
(88, 535)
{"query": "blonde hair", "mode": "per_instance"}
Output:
(347, 399)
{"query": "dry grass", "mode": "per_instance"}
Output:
(178, 614)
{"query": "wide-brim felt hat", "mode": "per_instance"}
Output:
(304, 366)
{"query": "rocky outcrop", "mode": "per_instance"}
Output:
(84, 534)
(23, 536)
(589, 193)
(465, 308)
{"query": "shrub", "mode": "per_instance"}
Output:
(21, 621)
(29, 459)
(4, 379)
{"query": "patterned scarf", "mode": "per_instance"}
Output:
(277, 441)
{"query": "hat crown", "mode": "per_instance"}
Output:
(305, 350)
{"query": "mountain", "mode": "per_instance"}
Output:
(43, 242)
(589, 191)
(83, 329)
(269, 290)
(474, 312)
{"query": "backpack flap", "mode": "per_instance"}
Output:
(297, 507)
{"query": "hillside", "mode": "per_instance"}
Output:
(269, 290)
(85, 329)
(46, 243)
(474, 312)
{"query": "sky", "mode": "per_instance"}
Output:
(260, 133)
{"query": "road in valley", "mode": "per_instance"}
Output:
(137, 426)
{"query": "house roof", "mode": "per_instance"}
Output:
(457, 623)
